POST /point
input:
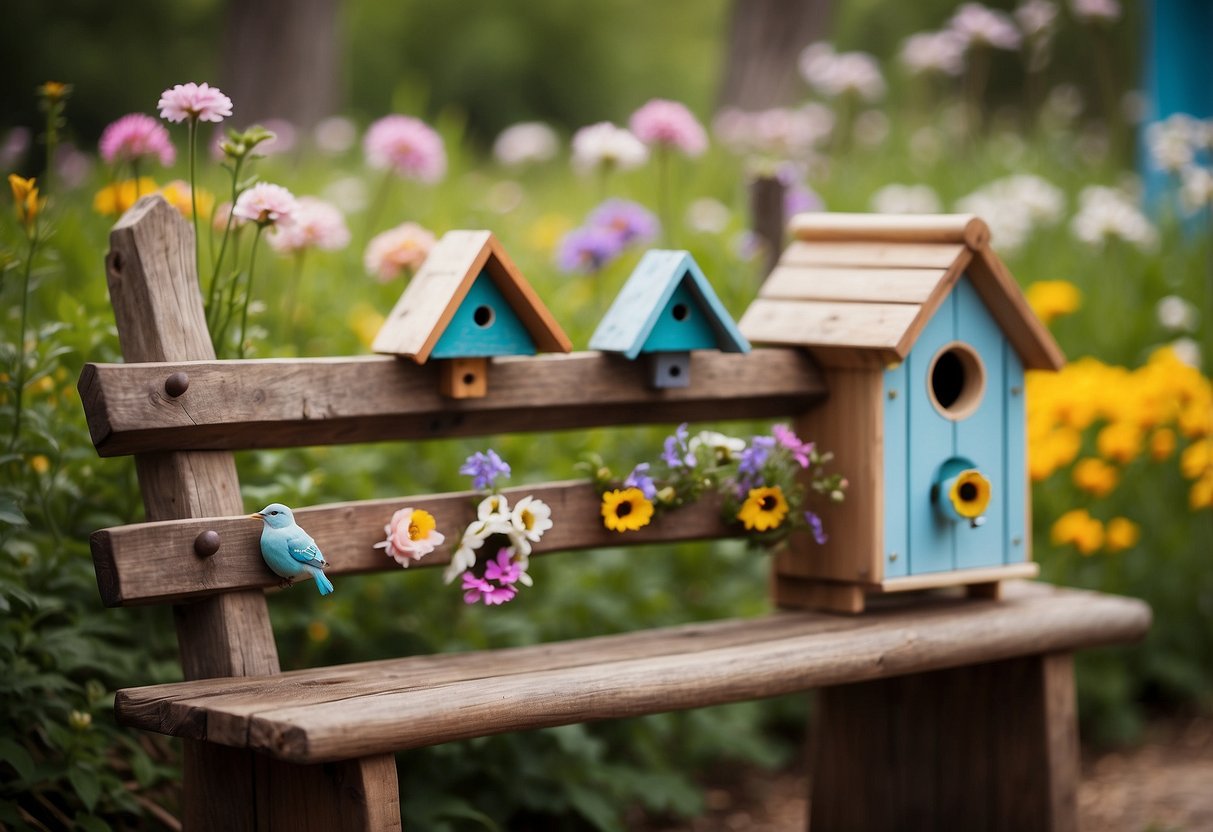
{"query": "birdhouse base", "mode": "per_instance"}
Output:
(464, 378)
(669, 369)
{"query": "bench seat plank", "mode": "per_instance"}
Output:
(341, 712)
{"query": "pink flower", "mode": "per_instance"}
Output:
(1096, 11)
(199, 102)
(801, 451)
(135, 136)
(497, 585)
(411, 535)
(407, 146)
(477, 591)
(397, 250)
(669, 123)
(265, 204)
(314, 224)
(982, 26)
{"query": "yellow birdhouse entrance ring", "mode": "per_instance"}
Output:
(956, 381)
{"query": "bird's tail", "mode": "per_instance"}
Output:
(322, 582)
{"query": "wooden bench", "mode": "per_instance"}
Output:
(939, 712)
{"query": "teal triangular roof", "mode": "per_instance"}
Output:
(636, 321)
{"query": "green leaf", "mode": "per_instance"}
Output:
(92, 823)
(87, 786)
(11, 513)
(17, 757)
(594, 807)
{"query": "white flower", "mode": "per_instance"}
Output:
(1104, 213)
(1175, 313)
(464, 557)
(723, 448)
(835, 73)
(1172, 142)
(1036, 17)
(1014, 206)
(934, 52)
(1196, 188)
(1187, 351)
(527, 141)
(335, 134)
(531, 518)
(708, 216)
(981, 26)
(1096, 11)
(906, 199)
(604, 145)
(782, 132)
(494, 512)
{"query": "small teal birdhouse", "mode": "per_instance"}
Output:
(468, 303)
(665, 310)
(923, 337)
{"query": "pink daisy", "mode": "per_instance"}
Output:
(407, 146)
(200, 102)
(265, 204)
(801, 451)
(397, 250)
(410, 536)
(134, 136)
(314, 224)
(669, 123)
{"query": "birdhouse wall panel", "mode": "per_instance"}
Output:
(684, 324)
(484, 325)
(980, 436)
(896, 459)
(932, 441)
(1015, 463)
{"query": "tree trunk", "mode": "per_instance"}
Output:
(765, 39)
(281, 59)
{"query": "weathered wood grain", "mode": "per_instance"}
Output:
(872, 254)
(312, 716)
(148, 563)
(1001, 295)
(852, 284)
(859, 327)
(287, 403)
(350, 796)
(908, 228)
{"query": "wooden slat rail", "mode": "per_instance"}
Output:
(151, 563)
(335, 713)
(237, 405)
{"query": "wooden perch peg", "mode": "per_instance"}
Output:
(464, 378)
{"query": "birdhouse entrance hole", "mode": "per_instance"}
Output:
(680, 311)
(957, 381)
(484, 316)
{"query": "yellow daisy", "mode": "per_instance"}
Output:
(626, 510)
(763, 509)
(970, 494)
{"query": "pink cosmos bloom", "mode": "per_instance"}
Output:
(501, 568)
(314, 224)
(285, 137)
(668, 123)
(406, 541)
(397, 250)
(788, 439)
(135, 136)
(222, 212)
(1096, 11)
(407, 146)
(840, 73)
(982, 26)
(480, 591)
(265, 204)
(200, 102)
(934, 52)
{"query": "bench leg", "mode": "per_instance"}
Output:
(992, 747)
(236, 790)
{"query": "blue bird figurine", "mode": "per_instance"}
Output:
(290, 551)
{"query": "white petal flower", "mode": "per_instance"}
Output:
(531, 518)
(494, 509)
(464, 557)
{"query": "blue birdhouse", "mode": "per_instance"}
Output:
(666, 309)
(466, 304)
(923, 337)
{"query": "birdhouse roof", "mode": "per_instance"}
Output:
(636, 309)
(434, 294)
(858, 289)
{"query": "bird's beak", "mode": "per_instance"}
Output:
(256, 516)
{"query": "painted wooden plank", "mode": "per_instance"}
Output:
(544, 330)
(1017, 497)
(148, 563)
(896, 461)
(959, 577)
(851, 284)
(483, 325)
(640, 303)
(981, 437)
(932, 441)
(286, 403)
(814, 323)
(873, 254)
(906, 228)
(383, 706)
(728, 336)
(683, 324)
(1005, 301)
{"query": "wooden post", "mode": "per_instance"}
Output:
(767, 219)
(159, 313)
(991, 746)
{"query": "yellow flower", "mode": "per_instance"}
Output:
(40, 464)
(1162, 444)
(1095, 476)
(116, 199)
(1197, 459)
(1079, 528)
(626, 510)
(54, 91)
(177, 194)
(763, 509)
(1201, 494)
(25, 196)
(1122, 533)
(1051, 299)
(421, 523)
(970, 494)
(1119, 441)
(545, 232)
(366, 321)
(318, 631)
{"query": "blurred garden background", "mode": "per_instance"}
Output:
(1040, 117)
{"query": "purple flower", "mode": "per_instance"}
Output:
(787, 439)
(639, 478)
(587, 250)
(630, 221)
(676, 454)
(751, 462)
(816, 528)
(484, 467)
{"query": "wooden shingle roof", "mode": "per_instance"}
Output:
(858, 289)
(432, 297)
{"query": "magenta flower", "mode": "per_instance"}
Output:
(134, 136)
(630, 221)
(669, 124)
(801, 451)
(314, 224)
(497, 585)
(265, 204)
(197, 102)
(502, 569)
(406, 146)
(587, 250)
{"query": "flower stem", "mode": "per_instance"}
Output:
(248, 291)
(227, 231)
(20, 380)
(664, 197)
(290, 307)
(193, 139)
(377, 206)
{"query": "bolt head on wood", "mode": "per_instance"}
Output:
(176, 384)
(206, 543)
